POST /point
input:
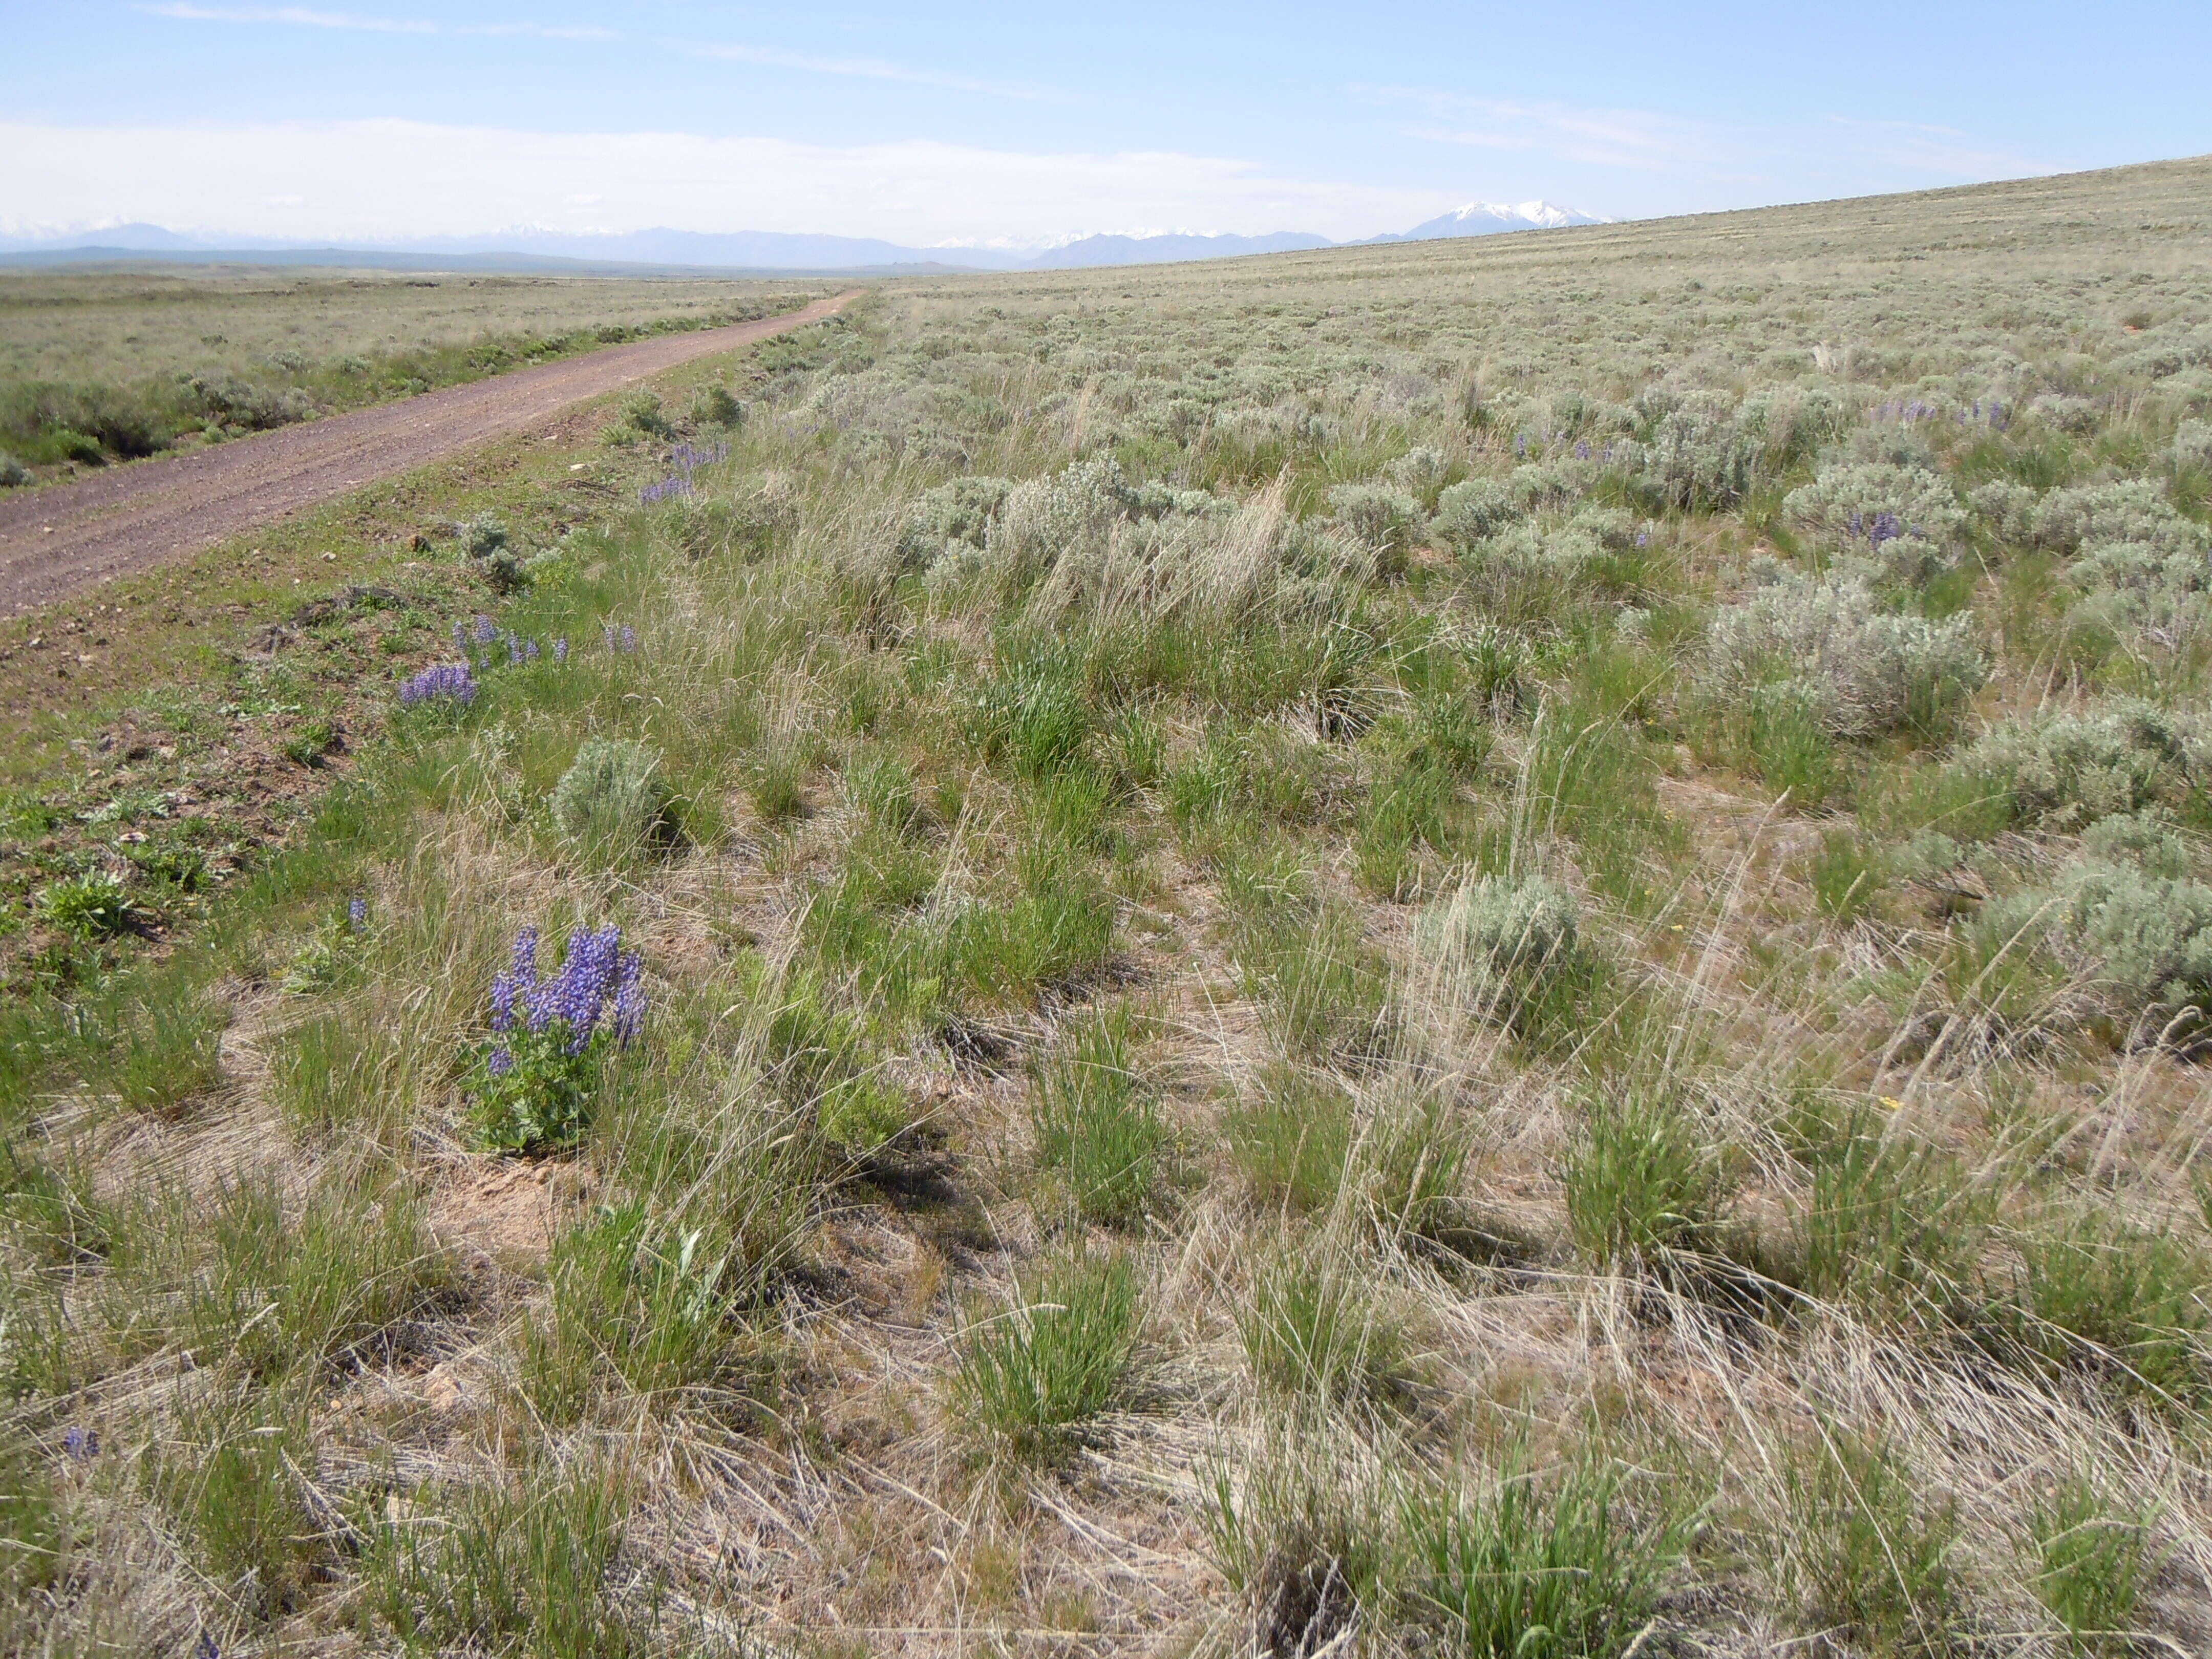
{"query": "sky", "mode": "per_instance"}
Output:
(1024, 125)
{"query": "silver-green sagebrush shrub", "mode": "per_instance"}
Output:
(2192, 446)
(1388, 520)
(1906, 518)
(613, 802)
(1422, 471)
(2130, 510)
(1475, 510)
(1044, 520)
(1171, 555)
(2066, 770)
(2077, 416)
(952, 521)
(2144, 939)
(2007, 508)
(2151, 934)
(2149, 840)
(1496, 925)
(1863, 668)
(2149, 595)
(1694, 455)
(1527, 566)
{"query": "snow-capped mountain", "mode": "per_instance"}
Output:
(1486, 218)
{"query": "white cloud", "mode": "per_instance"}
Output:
(309, 17)
(359, 179)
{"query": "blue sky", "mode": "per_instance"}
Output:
(1024, 123)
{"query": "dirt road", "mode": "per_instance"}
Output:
(57, 542)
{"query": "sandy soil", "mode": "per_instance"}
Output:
(60, 541)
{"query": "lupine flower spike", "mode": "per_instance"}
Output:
(450, 680)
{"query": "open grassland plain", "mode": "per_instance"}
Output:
(101, 366)
(1475, 948)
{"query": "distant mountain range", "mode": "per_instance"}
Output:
(749, 252)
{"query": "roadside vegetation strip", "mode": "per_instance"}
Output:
(98, 367)
(1459, 951)
(64, 540)
(171, 730)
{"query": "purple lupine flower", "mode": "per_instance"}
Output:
(607, 633)
(560, 649)
(357, 912)
(578, 993)
(530, 650)
(629, 998)
(1583, 450)
(205, 1647)
(487, 630)
(628, 637)
(445, 679)
(1643, 539)
(595, 971)
(499, 1062)
(514, 652)
(1520, 443)
(82, 1444)
(1885, 528)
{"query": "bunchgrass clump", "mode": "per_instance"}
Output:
(1314, 1329)
(2091, 1560)
(1036, 1375)
(636, 1305)
(1098, 1129)
(1646, 1188)
(1291, 1138)
(1526, 1563)
(525, 1561)
(1870, 1556)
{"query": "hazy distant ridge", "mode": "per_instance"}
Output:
(771, 249)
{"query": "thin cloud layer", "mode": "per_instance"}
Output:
(309, 17)
(362, 180)
(860, 68)
(735, 51)
(1822, 155)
